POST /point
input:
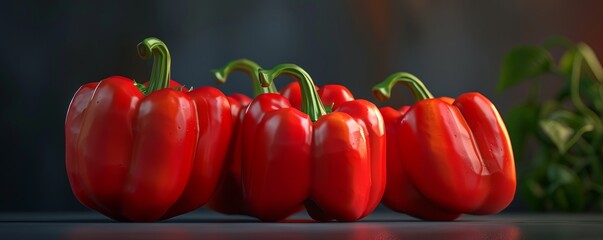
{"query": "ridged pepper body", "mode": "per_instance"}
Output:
(446, 156)
(332, 163)
(138, 155)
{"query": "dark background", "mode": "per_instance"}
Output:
(50, 48)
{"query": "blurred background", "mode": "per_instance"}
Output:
(50, 48)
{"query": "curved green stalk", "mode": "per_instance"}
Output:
(160, 75)
(382, 91)
(247, 66)
(311, 103)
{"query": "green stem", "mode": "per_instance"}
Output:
(247, 66)
(311, 103)
(160, 75)
(382, 91)
(534, 91)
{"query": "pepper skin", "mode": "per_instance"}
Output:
(228, 198)
(136, 153)
(445, 156)
(334, 163)
(332, 95)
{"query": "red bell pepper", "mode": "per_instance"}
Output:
(333, 163)
(136, 153)
(228, 197)
(445, 156)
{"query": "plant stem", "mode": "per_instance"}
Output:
(160, 75)
(311, 103)
(246, 66)
(382, 90)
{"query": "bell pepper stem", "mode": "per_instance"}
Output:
(247, 66)
(382, 91)
(311, 103)
(160, 75)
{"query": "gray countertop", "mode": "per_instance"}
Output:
(382, 224)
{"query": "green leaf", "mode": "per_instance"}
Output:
(532, 184)
(523, 63)
(534, 194)
(577, 162)
(596, 169)
(566, 62)
(559, 175)
(521, 121)
(558, 132)
(591, 60)
(591, 93)
(592, 64)
(564, 129)
(557, 41)
(549, 107)
(566, 188)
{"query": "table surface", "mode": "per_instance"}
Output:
(379, 225)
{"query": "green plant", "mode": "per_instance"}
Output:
(565, 170)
